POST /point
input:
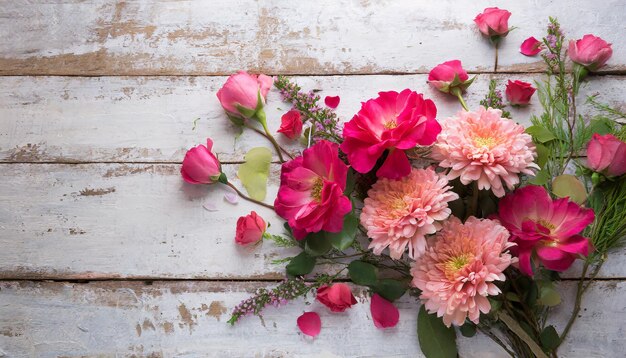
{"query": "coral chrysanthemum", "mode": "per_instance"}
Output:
(458, 270)
(399, 213)
(484, 147)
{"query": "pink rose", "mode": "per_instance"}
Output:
(591, 52)
(311, 196)
(606, 154)
(291, 124)
(250, 229)
(449, 75)
(493, 22)
(243, 95)
(519, 92)
(530, 47)
(337, 297)
(200, 165)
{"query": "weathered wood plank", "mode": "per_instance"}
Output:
(98, 221)
(324, 37)
(150, 119)
(188, 319)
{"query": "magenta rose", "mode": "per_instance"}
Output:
(519, 92)
(310, 196)
(291, 124)
(200, 165)
(250, 229)
(337, 297)
(243, 95)
(591, 52)
(493, 22)
(606, 154)
(449, 75)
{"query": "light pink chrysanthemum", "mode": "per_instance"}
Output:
(457, 271)
(401, 212)
(482, 146)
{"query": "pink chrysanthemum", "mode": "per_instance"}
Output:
(457, 271)
(482, 146)
(401, 212)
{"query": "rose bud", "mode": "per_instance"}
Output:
(590, 52)
(243, 95)
(291, 124)
(493, 23)
(607, 155)
(201, 166)
(530, 47)
(448, 76)
(250, 229)
(519, 92)
(337, 297)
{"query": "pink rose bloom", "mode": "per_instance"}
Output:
(606, 154)
(530, 47)
(384, 313)
(591, 52)
(545, 227)
(449, 75)
(337, 297)
(291, 124)
(310, 323)
(400, 213)
(458, 271)
(484, 147)
(200, 165)
(244, 94)
(394, 122)
(519, 92)
(493, 22)
(250, 229)
(311, 196)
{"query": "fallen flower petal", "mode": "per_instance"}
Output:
(310, 323)
(530, 47)
(231, 198)
(332, 101)
(384, 313)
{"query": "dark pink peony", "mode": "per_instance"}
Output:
(291, 124)
(493, 22)
(606, 154)
(544, 229)
(394, 122)
(449, 75)
(530, 47)
(519, 92)
(311, 196)
(591, 52)
(337, 297)
(200, 165)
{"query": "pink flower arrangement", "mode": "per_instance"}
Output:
(200, 165)
(493, 22)
(482, 146)
(291, 124)
(591, 51)
(519, 92)
(545, 227)
(394, 122)
(400, 213)
(458, 270)
(244, 94)
(337, 297)
(250, 229)
(311, 195)
(606, 154)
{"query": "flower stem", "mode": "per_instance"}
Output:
(495, 65)
(457, 92)
(473, 201)
(496, 339)
(260, 115)
(244, 196)
(512, 324)
(265, 135)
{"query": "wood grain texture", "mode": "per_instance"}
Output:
(148, 119)
(170, 37)
(188, 319)
(99, 221)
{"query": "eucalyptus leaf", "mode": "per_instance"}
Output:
(254, 171)
(317, 244)
(301, 265)
(549, 296)
(342, 240)
(390, 289)
(435, 339)
(567, 185)
(363, 273)
(549, 338)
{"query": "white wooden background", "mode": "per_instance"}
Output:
(105, 252)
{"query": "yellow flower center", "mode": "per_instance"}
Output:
(458, 262)
(548, 225)
(316, 191)
(484, 141)
(390, 124)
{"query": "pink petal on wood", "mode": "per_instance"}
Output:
(332, 101)
(310, 323)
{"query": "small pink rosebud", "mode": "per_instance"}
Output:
(291, 124)
(606, 154)
(530, 47)
(493, 22)
(250, 229)
(384, 313)
(332, 101)
(449, 75)
(337, 297)
(310, 323)
(591, 52)
(519, 92)
(243, 95)
(200, 165)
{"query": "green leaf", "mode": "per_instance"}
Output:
(567, 185)
(350, 182)
(317, 244)
(468, 329)
(548, 296)
(363, 273)
(600, 125)
(254, 172)
(549, 338)
(390, 289)
(541, 178)
(342, 240)
(301, 265)
(436, 340)
(542, 155)
(541, 134)
(246, 112)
